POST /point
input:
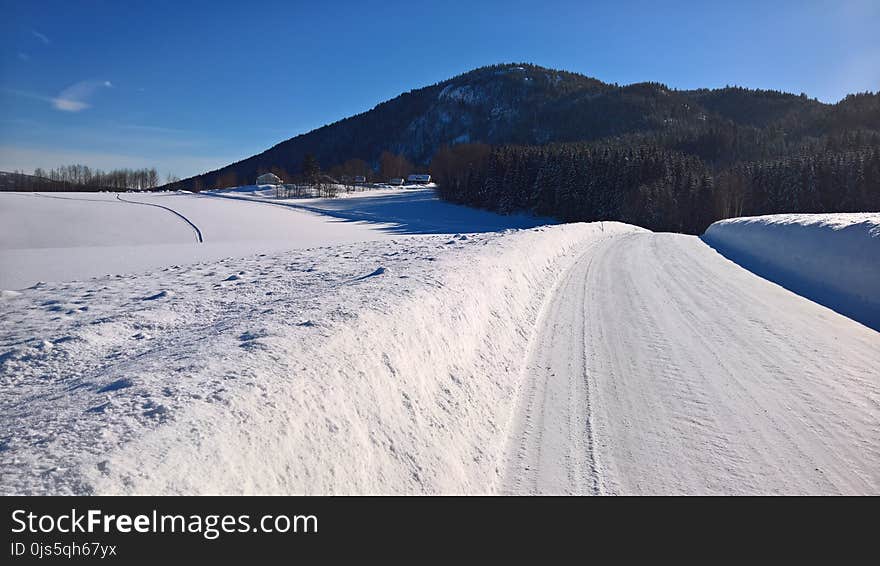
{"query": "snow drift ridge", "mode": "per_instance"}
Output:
(833, 259)
(411, 396)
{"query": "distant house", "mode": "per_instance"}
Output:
(418, 179)
(360, 179)
(269, 179)
(396, 181)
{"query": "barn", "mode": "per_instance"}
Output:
(269, 179)
(418, 179)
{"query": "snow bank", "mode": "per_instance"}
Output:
(833, 259)
(410, 397)
(382, 367)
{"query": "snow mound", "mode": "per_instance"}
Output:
(376, 367)
(833, 259)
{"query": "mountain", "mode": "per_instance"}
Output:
(522, 104)
(524, 138)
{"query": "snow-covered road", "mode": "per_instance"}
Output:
(661, 367)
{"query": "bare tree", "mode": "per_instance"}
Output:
(392, 165)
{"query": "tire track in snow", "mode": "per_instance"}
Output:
(171, 210)
(673, 370)
(554, 444)
(124, 201)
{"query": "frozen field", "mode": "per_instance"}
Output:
(65, 236)
(57, 237)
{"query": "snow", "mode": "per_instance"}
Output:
(834, 259)
(397, 344)
(466, 94)
(376, 367)
(51, 237)
(408, 210)
(58, 237)
(659, 367)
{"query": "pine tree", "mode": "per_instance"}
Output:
(311, 170)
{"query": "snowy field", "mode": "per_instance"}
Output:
(57, 237)
(410, 210)
(63, 236)
(398, 344)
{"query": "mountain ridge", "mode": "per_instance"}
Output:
(525, 104)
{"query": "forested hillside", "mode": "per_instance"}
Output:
(760, 153)
(513, 104)
(657, 186)
(523, 137)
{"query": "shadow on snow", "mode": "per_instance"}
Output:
(852, 307)
(409, 212)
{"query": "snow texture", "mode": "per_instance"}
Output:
(57, 237)
(834, 259)
(398, 344)
(659, 367)
(378, 367)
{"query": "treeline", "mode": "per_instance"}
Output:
(655, 187)
(79, 177)
(723, 153)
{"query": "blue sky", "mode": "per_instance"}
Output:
(190, 86)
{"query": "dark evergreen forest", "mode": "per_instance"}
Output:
(655, 186)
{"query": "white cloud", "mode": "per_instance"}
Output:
(24, 56)
(40, 36)
(69, 105)
(75, 97)
(72, 99)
